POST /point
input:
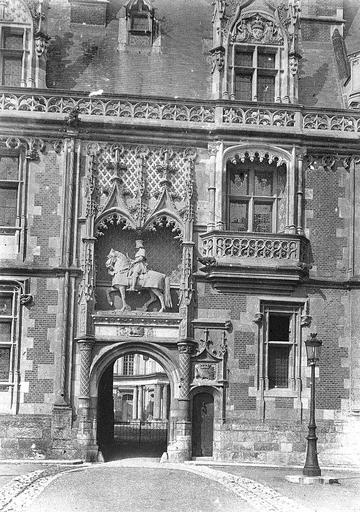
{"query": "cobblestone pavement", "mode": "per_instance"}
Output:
(24, 488)
(22, 494)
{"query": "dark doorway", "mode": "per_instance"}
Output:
(203, 425)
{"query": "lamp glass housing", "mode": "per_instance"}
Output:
(313, 349)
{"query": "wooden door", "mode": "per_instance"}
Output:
(203, 425)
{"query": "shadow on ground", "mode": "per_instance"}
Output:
(126, 450)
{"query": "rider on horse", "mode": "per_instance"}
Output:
(138, 265)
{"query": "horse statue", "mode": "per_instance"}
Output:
(158, 284)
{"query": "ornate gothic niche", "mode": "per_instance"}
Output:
(138, 27)
(163, 253)
(261, 51)
(209, 363)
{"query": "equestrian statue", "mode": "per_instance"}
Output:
(134, 275)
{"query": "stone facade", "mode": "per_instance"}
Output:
(221, 135)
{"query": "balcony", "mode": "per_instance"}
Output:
(204, 115)
(271, 263)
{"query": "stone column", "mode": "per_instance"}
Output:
(140, 402)
(135, 402)
(300, 195)
(85, 432)
(157, 401)
(164, 402)
(212, 149)
(180, 450)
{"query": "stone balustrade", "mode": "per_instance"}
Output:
(275, 248)
(225, 114)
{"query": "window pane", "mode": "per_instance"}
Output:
(5, 305)
(265, 88)
(129, 364)
(9, 168)
(243, 58)
(266, 60)
(263, 183)
(8, 199)
(140, 23)
(262, 218)
(5, 331)
(239, 182)
(279, 326)
(4, 363)
(243, 87)
(12, 71)
(13, 41)
(278, 366)
(238, 216)
(281, 174)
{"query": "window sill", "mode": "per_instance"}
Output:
(4, 230)
(281, 392)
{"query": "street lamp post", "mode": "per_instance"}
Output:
(312, 468)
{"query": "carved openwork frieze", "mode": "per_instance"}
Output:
(292, 118)
(32, 146)
(259, 117)
(329, 162)
(124, 109)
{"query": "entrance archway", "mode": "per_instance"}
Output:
(135, 397)
(202, 424)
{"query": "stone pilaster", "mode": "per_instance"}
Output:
(157, 401)
(85, 432)
(164, 402)
(140, 403)
(135, 403)
(180, 449)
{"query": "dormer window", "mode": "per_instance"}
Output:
(256, 45)
(138, 26)
(140, 20)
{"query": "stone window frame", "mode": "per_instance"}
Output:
(267, 33)
(18, 231)
(255, 71)
(252, 198)
(26, 52)
(8, 387)
(242, 151)
(294, 309)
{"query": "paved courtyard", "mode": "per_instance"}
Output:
(136, 485)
